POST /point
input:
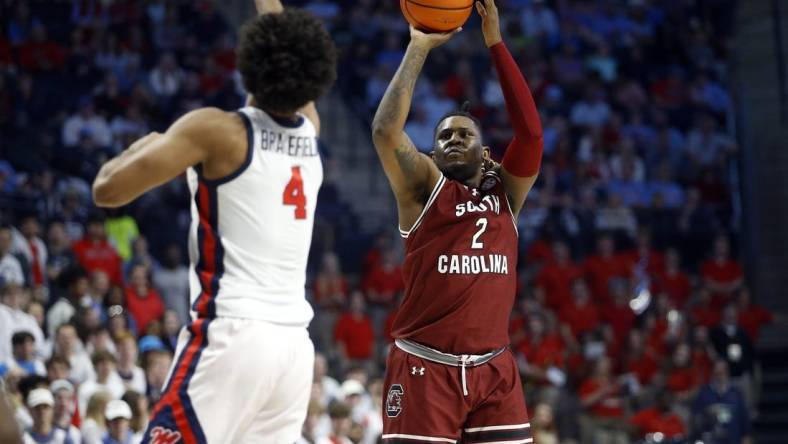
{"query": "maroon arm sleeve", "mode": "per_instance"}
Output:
(524, 153)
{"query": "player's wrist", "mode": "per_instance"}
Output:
(493, 40)
(420, 43)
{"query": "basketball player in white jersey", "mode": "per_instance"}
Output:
(243, 367)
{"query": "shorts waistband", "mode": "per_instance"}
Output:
(430, 354)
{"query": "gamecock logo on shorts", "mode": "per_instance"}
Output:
(394, 401)
(160, 435)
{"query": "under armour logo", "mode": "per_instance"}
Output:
(417, 371)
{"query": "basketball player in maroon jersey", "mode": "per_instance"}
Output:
(450, 375)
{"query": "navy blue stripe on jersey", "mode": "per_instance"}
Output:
(174, 411)
(287, 123)
(183, 392)
(247, 161)
(210, 264)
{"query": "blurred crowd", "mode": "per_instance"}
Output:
(633, 320)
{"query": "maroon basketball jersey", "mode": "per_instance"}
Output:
(460, 270)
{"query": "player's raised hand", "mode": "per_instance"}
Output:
(431, 40)
(491, 25)
(268, 6)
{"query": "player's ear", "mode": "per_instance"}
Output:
(485, 152)
(432, 154)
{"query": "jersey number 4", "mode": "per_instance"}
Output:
(294, 193)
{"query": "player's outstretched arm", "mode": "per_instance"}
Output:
(410, 173)
(309, 110)
(158, 158)
(520, 165)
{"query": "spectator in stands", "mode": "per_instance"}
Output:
(720, 414)
(40, 402)
(40, 54)
(683, 379)
(751, 317)
(543, 424)
(86, 121)
(65, 409)
(172, 282)
(24, 351)
(94, 425)
(140, 409)
(118, 416)
(640, 359)
(556, 276)
(142, 300)
(602, 399)
(35, 250)
(619, 315)
(106, 379)
(94, 251)
(706, 146)
(315, 415)
(592, 111)
(171, 328)
(616, 217)
(722, 274)
(601, 267)
(75, 284)
(733, 345)
(166, 78)
(659, 419)
(157, 363)
(382, 286)
(68, 345)
(339, 412)
(704, 313)
(10, 267)
(330, 286)
(330, 386)
(544, 362)
(581, 315)
(141, 255)
(672, 280)
(121, 231)
(60, 256)
(133, 376)
(58, 367)
(354, 334)
(13, 319)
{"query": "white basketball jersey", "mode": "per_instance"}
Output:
(251, 231)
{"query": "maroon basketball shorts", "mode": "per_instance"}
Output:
(425, 402)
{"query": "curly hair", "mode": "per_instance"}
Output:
(286, 60)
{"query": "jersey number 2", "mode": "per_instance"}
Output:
(476, 244)
(294, 193)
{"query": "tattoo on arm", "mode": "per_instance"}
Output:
(394, 108)
(407, 158)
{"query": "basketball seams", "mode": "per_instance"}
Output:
(435, 18)
(413, 17)
(443, 8)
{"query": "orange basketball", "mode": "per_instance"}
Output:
(436, 15)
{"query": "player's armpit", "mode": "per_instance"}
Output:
(158, 158)
(517, 189)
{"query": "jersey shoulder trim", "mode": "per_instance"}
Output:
(435, 191)
(244, 165)
(509, 208)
